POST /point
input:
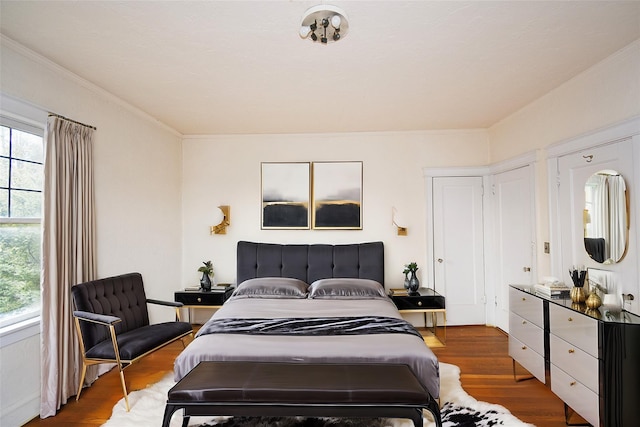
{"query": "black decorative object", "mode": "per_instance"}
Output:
(578, 276)
(414, 284)
(207, 272)
(411, 280)
(205, 282)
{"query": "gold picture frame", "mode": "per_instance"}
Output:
(337, 195)
(285, 195)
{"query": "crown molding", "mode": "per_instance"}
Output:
(80, 81)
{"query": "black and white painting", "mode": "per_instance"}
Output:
(337, 195)
(285, 195)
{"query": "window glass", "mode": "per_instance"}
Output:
(21, 181)
(4, 202)
(4, 141)
(26, 204)
(26, 146)
(4, 172)
(19, 271)
(26, 176)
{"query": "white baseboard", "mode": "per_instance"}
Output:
(21, 412)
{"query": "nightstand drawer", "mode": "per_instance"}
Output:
(203, 298)
(428, 299)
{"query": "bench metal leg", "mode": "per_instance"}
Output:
(168, 413)
(434, 408)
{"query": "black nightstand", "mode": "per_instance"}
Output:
(428, 301)
(213, 299)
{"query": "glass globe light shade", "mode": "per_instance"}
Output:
(304, 31)
(336, 21)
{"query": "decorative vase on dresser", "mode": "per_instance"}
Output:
(591, 362)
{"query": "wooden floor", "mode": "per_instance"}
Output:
(479, 351)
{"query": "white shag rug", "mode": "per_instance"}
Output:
(458, 408)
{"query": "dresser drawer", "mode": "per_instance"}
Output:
(527, 332)
(527, 357)
(526, 306)
(575, 362)
(575, 328)
(575, 394)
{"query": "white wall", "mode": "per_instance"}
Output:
(603, 95)
(137, 182)
(225, 170)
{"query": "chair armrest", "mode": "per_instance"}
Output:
(166, 303)
(96, 318)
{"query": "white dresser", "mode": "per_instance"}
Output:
(589, 359)
(526, 332)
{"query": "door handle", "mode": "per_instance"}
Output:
(440, 260)
(526, 269)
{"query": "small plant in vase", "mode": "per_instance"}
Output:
(414, 283)
(207, 274)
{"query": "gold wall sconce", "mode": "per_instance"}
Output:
(402, 231)
(223, 217)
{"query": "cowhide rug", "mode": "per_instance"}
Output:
(458, 410)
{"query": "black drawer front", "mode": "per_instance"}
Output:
(417, 303)
(203, 298)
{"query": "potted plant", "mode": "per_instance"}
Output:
(207, 274)
(414, 283)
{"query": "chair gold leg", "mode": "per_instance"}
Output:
(124, 390)
(84, 372)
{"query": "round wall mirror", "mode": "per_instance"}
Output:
(605, 217)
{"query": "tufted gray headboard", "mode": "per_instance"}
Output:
(310, 262)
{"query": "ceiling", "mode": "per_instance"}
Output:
(240, 67)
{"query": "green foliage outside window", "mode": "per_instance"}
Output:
(21, 178)
(19, 266)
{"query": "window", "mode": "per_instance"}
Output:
(21, 179)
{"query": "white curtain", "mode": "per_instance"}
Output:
(68, 254)
(618, 216)
(600, 216)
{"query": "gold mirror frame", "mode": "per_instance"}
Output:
(605, 217)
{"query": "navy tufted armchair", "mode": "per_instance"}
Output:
(112, 323)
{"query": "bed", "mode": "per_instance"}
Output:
(311, 304)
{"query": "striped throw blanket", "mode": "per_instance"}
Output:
(363, 325)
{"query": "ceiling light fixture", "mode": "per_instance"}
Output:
(324, 23)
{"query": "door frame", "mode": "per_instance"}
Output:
(431, 173)
(528, 161)
(486, 172)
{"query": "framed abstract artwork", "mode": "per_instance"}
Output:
(285, 195)
(337, 195)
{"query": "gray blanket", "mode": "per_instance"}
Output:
(317, 326)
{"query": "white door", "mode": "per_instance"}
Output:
(513, 225)
(458, 245)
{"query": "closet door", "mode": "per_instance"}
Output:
(574, 171)
(458, 243)
(514, 236)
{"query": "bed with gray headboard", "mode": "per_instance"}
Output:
(310, 262)
(314, 303)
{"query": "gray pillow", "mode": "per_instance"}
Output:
(346, 288)
(272, 287)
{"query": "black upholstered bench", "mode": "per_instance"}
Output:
(300, 389)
